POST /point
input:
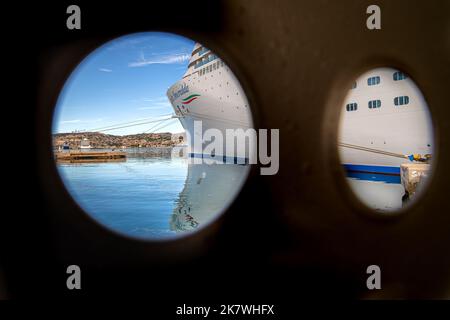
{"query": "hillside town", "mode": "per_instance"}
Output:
(99, 140)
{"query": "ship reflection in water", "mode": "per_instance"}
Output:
(154, 194)
(208, 188)
(382, 193)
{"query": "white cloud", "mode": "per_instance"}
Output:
(164, 59)
(104, 70)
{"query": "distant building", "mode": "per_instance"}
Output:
(63, 147)
(85, 144)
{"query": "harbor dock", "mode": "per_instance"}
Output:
(93, 156)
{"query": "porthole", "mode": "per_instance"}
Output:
(123, 139)
(386, 155)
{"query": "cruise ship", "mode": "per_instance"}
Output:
(209, 92)
(385, 122)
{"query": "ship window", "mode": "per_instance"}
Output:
(354, 85)
(399, 101)
(374, 104)
(202, 50)
(373, 81)
(351, 106)
(399, 76)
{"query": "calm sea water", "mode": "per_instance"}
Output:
(135, 197)
(155, 195)
(152, 195)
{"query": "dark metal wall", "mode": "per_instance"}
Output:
(301, 230)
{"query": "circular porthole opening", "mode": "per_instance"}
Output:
(139, 141)
(386, 140)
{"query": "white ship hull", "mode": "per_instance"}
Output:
(400, 129)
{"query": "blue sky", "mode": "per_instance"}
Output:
(123, 81)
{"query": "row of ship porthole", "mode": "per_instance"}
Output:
(373, 104)
(189, 80)
(212, 76)
(372, 81)
(216, 65)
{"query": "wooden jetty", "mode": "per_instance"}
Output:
(93, 156)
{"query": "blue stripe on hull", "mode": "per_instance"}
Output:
(372, 169)
(373, 173)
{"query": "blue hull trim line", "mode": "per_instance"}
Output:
(224, 159)
(386, 178)
(372, 169)
(373, 173)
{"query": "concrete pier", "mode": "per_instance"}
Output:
(83, 156)
(413, 176)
